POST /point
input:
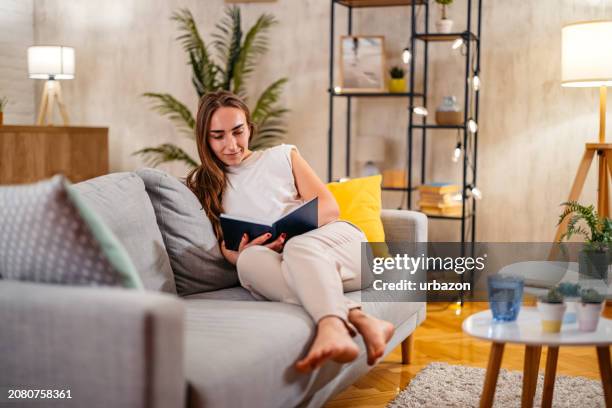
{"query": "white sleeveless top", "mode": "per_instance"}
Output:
(262, 186)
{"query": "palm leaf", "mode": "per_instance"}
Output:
(204, 70)
(265, 105)
(167, 105)
(190, 38)
(227, 42)
(163, 153)
(204, 73)
(255, 44)
(267, 116)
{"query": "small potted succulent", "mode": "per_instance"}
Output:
(444, 25)
(3, 102)
(594, 259)
(571, 296)
(551, 308)
(397, 84)
(589, 310)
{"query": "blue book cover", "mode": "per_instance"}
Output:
(303, 219)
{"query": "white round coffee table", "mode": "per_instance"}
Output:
(527, 330)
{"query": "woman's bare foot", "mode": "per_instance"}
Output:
(376, 333)
(332, 342)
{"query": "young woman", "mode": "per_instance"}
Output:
(312, 269)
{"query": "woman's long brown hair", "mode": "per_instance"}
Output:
(209, 179)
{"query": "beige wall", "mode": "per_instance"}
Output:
(16, 35)
(532, 130)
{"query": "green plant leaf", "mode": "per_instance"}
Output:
(255, 44)
(167, 105)
(190, 39)
(227, 42)
(204, 70)
(267, 100)
(167, 152)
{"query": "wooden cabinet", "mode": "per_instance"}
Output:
(33, 153)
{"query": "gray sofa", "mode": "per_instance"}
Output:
(124, 348)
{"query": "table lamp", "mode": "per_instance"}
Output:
(586, 61)
(51, 63)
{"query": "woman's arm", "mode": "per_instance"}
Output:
(309, 186)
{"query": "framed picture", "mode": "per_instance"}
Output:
(362, 63)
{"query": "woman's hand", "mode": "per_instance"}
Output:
(232, 256)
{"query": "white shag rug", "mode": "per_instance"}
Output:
(443, 385)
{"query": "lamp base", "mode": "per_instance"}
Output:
(52, 92)
(604, 151)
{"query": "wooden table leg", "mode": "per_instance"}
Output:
(549, 376)
(488, 389)
(530, 375)
(603, 357)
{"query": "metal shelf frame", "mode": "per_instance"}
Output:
(469, 141)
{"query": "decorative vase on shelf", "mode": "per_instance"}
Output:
(369, 169)
(397, 84)
(449, 113)
(444, 26)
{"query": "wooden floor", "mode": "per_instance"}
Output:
(440, 338)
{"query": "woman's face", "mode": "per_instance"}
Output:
(229, 134)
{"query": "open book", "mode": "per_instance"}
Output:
(303, 219)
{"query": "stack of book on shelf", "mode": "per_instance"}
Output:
(438, 199)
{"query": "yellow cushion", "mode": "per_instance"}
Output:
(360, 203)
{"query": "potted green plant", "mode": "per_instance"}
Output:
(397, 84)
(444, 25)
(228, 62)
(589, 310)
(3, 102)
(594, 259)
(571, 296)
(551, 308)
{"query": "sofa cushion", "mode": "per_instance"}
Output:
(122, 203)
(266, 339)
(235, 293)
(195, 257)
(47, 234)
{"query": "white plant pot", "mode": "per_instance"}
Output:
(551, 315)
(588, 316)
(444, 26)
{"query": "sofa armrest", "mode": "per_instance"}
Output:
(403, 225)
(110, 347)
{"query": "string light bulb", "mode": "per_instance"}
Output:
(406, 55)
(420, 110)
(457, 153)
(476, 82)
(337, 89)
(472, 125)
(476, 193)
(457, 43)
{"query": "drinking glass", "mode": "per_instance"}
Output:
(505, 297)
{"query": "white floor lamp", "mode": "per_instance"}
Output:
(52, 63)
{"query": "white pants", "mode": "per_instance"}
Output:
(314, 270)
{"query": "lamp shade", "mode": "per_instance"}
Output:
(586, 54)
(51, 62)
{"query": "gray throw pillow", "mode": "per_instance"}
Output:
(121, 201)
(195, 256)
(48, 234)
